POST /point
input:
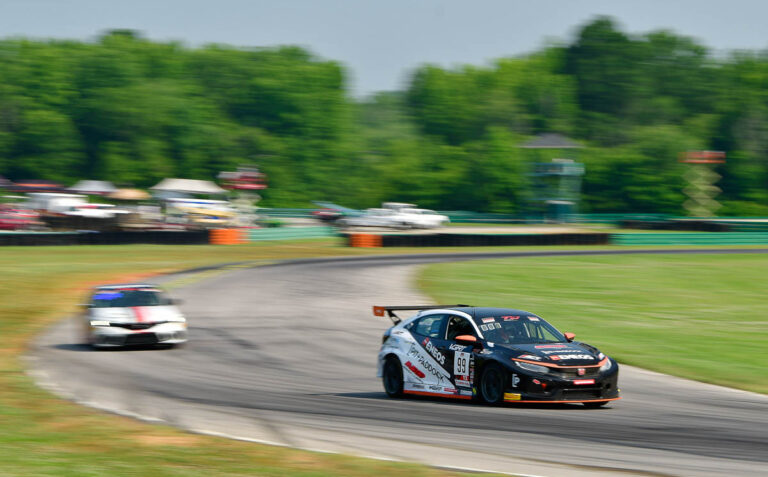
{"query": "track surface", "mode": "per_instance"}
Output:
(287, 354)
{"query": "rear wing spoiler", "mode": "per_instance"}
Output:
(390, 310)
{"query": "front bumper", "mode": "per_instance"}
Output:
(596, 388)
(115, 336)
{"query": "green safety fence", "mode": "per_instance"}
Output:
(288, 233)
(691, 238)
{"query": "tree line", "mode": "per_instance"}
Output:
(133, 111)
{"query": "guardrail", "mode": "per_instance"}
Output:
(291, 233)
(691, 238)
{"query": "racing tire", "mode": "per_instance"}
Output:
(491, 385)
(595, 405)
(392, 377)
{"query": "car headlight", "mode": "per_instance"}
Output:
(606, 366)
(535, 368)
(99, 323)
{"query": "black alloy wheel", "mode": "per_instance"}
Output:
(392, 377)
(492, 384)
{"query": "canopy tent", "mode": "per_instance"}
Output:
(93, 187)
(188, 186)
(128, 194)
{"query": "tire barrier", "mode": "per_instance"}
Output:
(227, 236)
(163, 237)
(689, 225)
(474, 240)
(365, 240)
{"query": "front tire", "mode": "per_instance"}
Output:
(491, 384)
(392, 377)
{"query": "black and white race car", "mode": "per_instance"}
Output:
(491, 354)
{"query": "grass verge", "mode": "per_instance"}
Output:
(704, 317)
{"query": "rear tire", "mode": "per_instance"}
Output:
(595, 405)
(392, 377)
(491, 386)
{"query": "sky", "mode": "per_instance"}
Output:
(382, 42)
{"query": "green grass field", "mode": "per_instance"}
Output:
(703, 317)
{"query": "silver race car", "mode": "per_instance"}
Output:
(128, 315)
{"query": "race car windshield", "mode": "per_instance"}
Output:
(127, 298)
(519, 330)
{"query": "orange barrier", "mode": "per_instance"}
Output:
(365, 240)
(227, 236)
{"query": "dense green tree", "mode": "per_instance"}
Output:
(131, 110)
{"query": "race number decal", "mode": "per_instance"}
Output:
(461, 364)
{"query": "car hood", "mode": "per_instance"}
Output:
(137, 314)
(563, 354)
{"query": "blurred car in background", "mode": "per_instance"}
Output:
(422, 218)
(14, 217)
(129, 315)
(96, 211)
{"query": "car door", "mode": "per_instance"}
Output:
(460, 356)
(425, 365)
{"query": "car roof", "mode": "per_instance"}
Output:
(477, 312)
(126, 285)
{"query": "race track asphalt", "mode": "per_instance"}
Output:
(286, 354)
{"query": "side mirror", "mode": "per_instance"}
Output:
(569, 336)
(468, 340)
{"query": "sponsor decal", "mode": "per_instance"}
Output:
(549, 346)
(497, 325)
(450, 390)
(536, 381)
(439, 357)
(511, 396)
(572, 356)
(436, 388)
(584, 381)
(515, 380)
(554, 358)
(416, 386)
(551, 351)
(463, 382)
(465, 393)
(600, 356)
(489, 320)
(456, 347)
(581, 371)
(533, 318)
(414, 369)
(486, 351)
(530, 356)
(484, 327)
(510, 318)
(461, 363)
(490, 344)
(438, 373)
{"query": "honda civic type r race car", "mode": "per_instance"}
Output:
(491, 354)
(125, 315)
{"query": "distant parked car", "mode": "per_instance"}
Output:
(422, 218)
(17, 218)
